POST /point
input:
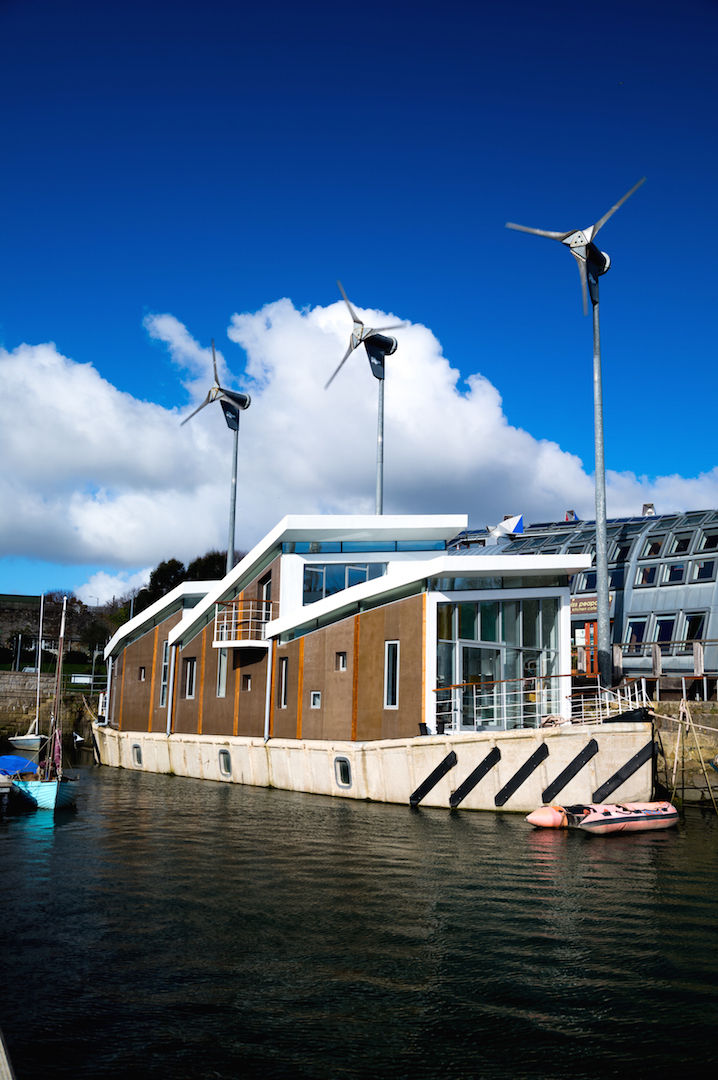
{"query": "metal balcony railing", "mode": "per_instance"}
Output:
(241, 621)
(530, 703)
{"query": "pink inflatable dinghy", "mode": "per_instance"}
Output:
(606, 817)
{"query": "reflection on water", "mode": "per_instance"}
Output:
(170, 928)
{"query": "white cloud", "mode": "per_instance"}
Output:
(93, 475)
(102, 587)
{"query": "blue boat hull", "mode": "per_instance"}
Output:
(48, 794)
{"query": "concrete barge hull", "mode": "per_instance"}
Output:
(493, 770)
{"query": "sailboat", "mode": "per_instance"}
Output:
(52, 790)
(32, 740)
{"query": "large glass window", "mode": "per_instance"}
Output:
(695, 626)
(635, 635)
(664, 631)
(326, 579)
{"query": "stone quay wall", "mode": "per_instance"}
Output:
(18, 694)
(684, 754)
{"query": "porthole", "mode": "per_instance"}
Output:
(343, 772)
(225, 763)
(136, 754)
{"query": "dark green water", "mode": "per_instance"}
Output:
(170, 928)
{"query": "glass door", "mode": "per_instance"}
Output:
(481, 693)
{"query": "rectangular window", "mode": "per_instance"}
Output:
(340, 661)
(646, 575)
(282, 683)
(164, 676)
(704, 570)
(652, 548)
(265, 597)
(709, 542)
(246, 682)
(695, 624)
(190, 667)
(315, 699)
(674, 573)
(679, 545)
(141, 675)
(664, 632)
(391, 674)
(222, 673)
(635, 635)
(622, 551)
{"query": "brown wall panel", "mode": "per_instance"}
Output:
(139, 699)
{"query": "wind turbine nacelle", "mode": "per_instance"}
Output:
(242, 401)
(382, 343)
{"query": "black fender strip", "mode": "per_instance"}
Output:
(521, 774)
(433, 778)
(477, 774)
(632, 765)
(590, 750)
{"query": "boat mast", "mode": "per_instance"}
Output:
(34, 728)
(54, 748)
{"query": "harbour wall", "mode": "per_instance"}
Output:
(18, 695)
(685, 752)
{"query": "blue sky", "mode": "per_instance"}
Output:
(206, 160)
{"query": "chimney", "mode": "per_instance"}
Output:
(649, 510)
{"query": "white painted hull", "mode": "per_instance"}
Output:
(497, 770)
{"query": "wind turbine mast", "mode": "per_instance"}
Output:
(592, 263)
(378, 347)
(233, 402)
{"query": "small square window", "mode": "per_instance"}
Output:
(340, 661)
(710, 542)
(679, 545)
(315, 699)
(652, 548)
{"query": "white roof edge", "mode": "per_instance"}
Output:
(448, 565)
(185, 588)
(299, 527)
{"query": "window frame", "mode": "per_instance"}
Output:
(222, 664)
(282, 683)
(391, 673)
(189, 677)
(164, 673)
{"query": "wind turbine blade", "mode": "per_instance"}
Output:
(205, 402)
(584, 283)
(352, 312)
(393, 326)
(602, 221)
(214, 363)
(343, 360)
(538, 232)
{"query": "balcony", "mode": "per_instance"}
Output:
(242, 622)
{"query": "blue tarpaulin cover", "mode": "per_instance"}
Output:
(11, 764)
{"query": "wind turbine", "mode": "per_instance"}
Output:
(378, 347)
(592, 263)
(232, 402)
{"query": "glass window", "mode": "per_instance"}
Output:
(616, 576)
(246, 682)
(646, 575)
(652, 547)
(355, 575)
(695, 624)
(530, 623)
(326, 579)
(282, 684)
(445, 664)
(623, 548)
(679, 544)
(664, 631)
(225, 763)
(511, 622)
(444, 616)
(164, 676)
(468, 623)
(635, 634)
(221, 673)
(136, 754)
(391, 674)
(709, 542)
(343, 772)
(704, 570)
(340, 661)
(588, 582)
(674, 573)
(190, 666)
(549, 623)
(490, 621)
(315, 699)
(141, 674)
(313, 584)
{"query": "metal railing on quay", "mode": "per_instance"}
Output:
(242, 620)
